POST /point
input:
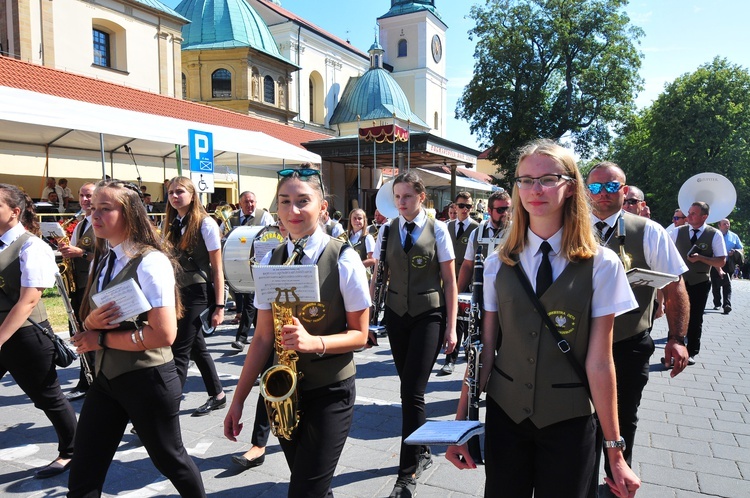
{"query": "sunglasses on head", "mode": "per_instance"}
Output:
(462, 205)
(609, 187)
(302, 174)
(632, 202)
(500, 210)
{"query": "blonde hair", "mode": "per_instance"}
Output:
(578, 240)
(363, 231)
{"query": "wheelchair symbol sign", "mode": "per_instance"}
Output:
(204, 182)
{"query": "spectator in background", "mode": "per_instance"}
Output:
(634, 200)
(66, 194)
(53, 187)
(721, 278)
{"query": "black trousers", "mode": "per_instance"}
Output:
(150, 398)
(261, 425)
(248, 315)
(631, 358)
(316, 445)
(551, 462)
(190, 343)
(29, 357)
(698, 296)
(415, 344)
(721, 286)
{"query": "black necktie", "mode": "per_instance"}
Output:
(601, 226)
(2, 244)
(409, 243)
(544, 273)
(460, 229)
(694, 238)
(176, 230)
(110, 267)
(244, 222)
(84, 225)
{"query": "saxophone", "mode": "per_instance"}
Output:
(65, 267)
(278, 384)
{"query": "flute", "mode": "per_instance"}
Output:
(60, 283)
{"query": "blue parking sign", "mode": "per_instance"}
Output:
(201, 144)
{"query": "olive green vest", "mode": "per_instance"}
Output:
(327, 317)
(255, 221)
(10, 282)
(640, 319)
(85, 241)
(115, 362)
(195, 263)
(459, 245)
(415, 284)
(697, 272)
(531, 377)
(361, 247)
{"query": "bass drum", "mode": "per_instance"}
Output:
(239, 254)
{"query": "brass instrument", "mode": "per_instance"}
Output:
(278, 384)
(60, 283)
(225, 214)
(381, 287)
(65, 267)
(627, 261)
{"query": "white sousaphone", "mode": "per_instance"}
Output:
(713, 189)
(241, 251)
(384, 201)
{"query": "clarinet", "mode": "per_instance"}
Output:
(380, 290)
(60, 284)
(474, 350)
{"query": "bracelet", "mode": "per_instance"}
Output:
(100, 341)
(324, 346)
(140, 334)
(677, 338)
(132, 337)
(220, 306)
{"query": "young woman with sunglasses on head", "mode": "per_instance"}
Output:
(540, 430)
(323, 335)
(136, 379)
(195, 241)
(27, 267)
(361, 241)
(420, 312)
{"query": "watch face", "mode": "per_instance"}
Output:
(437, 48)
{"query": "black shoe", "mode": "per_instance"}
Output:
(424, 463)
(210, 405)
(249, 464)
(245, 340)
(727, 309)
(447, 369)
(406, 487)
(75, 395)
(238, 345)
(716, 307)
(51, 470)
(664, 363)
(691, 360)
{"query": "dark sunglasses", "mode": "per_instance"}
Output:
(302, 174)
(609, 187)
(461, 205)
(500, 210)
(632, 202)
(678, 218)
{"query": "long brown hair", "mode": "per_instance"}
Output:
(14, 197)
(195, 214)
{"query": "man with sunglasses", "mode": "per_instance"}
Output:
(460, 229)
(634, 200)
(649, 247)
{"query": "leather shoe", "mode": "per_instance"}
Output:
(51, 470)
(238, 345)
(691, 361)
(245, 340)
(75, 395)
(210, 405)
(249, 464)
(447, 369)
(727, 309)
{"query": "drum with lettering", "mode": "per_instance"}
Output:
(246, 245)
(464, 306)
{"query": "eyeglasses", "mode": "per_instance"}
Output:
(301, 173)
(500, 210)
(678, 218)
(632, 202)
(546, 181)
(462, 205)
(609, 187)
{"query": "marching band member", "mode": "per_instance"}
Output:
(361, 241)
(420, 312)
(136, 379)
(27, 267)
(540, 430)
(195, 241)
(324, 343)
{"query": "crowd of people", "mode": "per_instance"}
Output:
(564, 391)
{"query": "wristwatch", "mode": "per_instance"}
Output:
(100, 342)
(619, 443)
(85, 255)
(677, 338)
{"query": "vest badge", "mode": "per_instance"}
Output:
(2, 282)
(86, 241)
(566, 322)
(419, 261)
(702, 246)
(465, 240)
(313, 312)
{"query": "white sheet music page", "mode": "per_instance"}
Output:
(128, 296)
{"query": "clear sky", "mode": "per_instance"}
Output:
(680, 35)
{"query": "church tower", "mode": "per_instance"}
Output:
(413, 37)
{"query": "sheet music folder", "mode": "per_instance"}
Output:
(445, 432)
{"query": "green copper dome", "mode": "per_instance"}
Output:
(400, 7)
(216, 24)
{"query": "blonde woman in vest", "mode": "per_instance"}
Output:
(420, 312)
(361, 241)
(195, 241)
(27, 267)
(323, 334)
(540, 428)
(136, 379)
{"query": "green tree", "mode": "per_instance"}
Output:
(549, 68)
(700, 123)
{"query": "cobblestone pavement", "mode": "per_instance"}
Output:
(693, 439)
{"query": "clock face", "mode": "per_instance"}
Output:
(437, 48)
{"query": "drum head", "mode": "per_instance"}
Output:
(239, 250)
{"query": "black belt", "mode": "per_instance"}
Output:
(635, 338)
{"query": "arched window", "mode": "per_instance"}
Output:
(108, 44)
(402, 47)
(437, 122)
(316, 96)
(221, 84)
(102, 55)
(269, 90)
(184, 86)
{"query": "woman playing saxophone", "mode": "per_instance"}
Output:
(322, 334)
